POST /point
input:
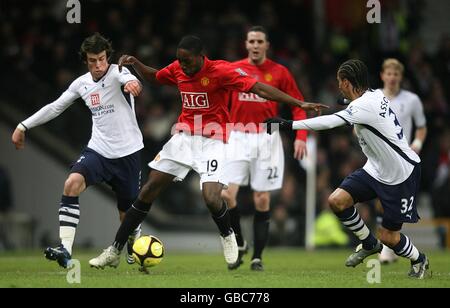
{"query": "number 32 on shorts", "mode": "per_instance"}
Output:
(407, 206)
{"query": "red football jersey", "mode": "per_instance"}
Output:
(206, 94)
(247, 108)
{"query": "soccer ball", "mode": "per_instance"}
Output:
(148, 251)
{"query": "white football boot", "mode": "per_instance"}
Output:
(109, 257)
(230, 248)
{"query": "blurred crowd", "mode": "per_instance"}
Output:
(39, 55)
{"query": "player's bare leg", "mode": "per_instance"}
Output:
(156, 183)
(230, 197)
(212, 194)
(69, 215)
(341, 202)
(387, 255)
(260, 227)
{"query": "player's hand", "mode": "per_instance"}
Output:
(18, 138)
(300, 151)
(134, 87)
(416, 146)
(313, 107)
(273, 124)
(126, 60)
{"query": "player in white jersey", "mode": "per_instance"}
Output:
(409, 110)
(113, 152)
(392, 171)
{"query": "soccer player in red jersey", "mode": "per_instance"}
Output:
(253, 155)
(199, 142)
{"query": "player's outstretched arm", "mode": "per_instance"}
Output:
(273, 94)
(318, 123)
(18, 137)
(146, 72)
(45, 114)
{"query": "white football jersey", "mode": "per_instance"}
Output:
(115, 132)
(381, 137)
(408, 108)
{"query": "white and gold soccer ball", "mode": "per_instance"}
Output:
(148, 251)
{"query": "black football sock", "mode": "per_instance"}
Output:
(261, 233)
(235, 219)
(133, 218)
(222, 220)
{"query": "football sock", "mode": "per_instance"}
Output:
(350, 218)
(406, 249)
(135, 232)
(133, 218)
(222, 220)
(261, 233)
(69, 216)
(235, 219)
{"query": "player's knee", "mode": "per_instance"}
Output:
(212, 200)
(74, 185)
(149, 191)
(337, 204)
(228, 198)
(262, 201)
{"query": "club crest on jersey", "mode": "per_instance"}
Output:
(95, 99)
(351, 110)
(194, 100)
(204, 81)
(268, 77)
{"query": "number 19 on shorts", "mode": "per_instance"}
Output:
(211, 166)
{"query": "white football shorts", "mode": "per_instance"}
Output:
(183, 153)
(255, 158)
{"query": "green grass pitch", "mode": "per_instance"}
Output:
(284, 269)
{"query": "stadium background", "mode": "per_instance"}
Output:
(39, 60)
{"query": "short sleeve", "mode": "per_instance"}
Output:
(125, 76)
(356, 113)
(166, 75)
(236, 79)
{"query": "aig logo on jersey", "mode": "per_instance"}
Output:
(95, 99)
(194, 100)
